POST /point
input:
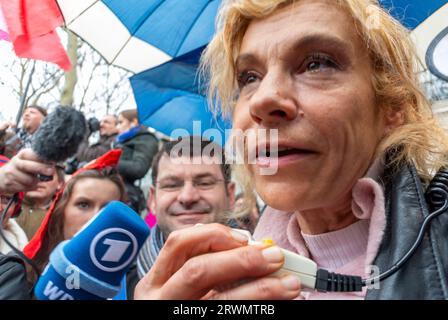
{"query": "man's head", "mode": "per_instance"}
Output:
(46, 190)
(108, 125)
(32, 118)
(191, 184)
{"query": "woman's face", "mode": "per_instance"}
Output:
(88, 196)
(305, 72)
(123, 124)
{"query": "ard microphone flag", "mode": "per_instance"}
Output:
(93, 263)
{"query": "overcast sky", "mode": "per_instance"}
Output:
(8, 102)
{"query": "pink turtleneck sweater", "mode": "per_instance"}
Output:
(348, 251)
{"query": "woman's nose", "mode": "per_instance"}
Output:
(273, 102)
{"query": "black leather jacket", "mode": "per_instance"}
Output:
(13, 284)
(425, 274)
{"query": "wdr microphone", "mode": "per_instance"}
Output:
(92, 264)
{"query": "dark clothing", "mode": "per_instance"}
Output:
(135, 161)
(425, 274)
(89, 153)
(138, 152)
(5, 136)
(13, 284)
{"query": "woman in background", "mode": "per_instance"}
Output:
(139, 147)
(79, 200)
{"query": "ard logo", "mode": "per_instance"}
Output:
(113, 249)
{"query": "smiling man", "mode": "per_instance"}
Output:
(191, 184)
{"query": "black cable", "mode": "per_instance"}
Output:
(17, 251)
(411, 251)
(437, 197)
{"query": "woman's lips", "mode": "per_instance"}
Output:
(189, 213)
(283, 157)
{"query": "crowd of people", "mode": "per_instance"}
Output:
(46, 213)
(357, 149)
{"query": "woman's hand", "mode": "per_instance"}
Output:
(214, 262)
(20, 174)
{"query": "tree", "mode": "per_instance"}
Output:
(92, 85)
(68, 91)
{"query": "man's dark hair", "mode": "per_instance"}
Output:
(195, 146)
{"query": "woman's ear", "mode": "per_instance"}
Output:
(393, 117)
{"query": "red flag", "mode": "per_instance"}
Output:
(3, 30)
(32, 30)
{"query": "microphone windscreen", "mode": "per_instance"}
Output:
(60, 134)
(98, 256)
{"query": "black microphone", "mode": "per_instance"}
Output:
(59, 136)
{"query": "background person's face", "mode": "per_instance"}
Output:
(108, 126)
(88, 196)
(31, 119)
(123, 124)
(304, 71)
(45, 189)
(189, 205)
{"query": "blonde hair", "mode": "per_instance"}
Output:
(420, 140)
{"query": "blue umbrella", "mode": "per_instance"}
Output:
(141, 34)
(171, 99)
(428, 22)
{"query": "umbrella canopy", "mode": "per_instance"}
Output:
(428, 22)
(170, 98)
(137, 35)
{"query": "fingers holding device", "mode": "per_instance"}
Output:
(215, 262)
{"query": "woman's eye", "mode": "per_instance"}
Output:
(245, 78)
(318, 62)
(83, 205)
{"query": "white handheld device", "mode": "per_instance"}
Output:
(309, 274)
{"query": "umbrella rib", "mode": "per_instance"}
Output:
(80, 14)
(192, 25)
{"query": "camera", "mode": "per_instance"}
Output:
(93, 125)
